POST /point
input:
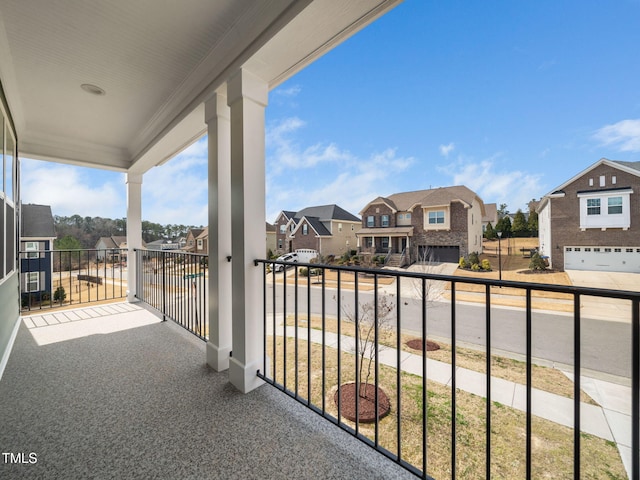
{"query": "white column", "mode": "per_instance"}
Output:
(247, 97)
(134, 230)
(219, 137)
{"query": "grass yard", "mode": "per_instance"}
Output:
(552, 451)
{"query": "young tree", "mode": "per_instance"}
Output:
(489, 233)
(504, 226)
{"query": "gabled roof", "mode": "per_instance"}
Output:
(113, 241)
(629, 167)
(196, 231)
(288, 214)
(326, 213)
(316, 225)
(407, 201)
(270, 227)
(490, 212)
(37, 221)
(204, 233)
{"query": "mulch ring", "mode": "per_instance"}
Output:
(366, 402)
(416, 344)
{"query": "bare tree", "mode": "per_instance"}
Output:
(425, 290)
(368, 321)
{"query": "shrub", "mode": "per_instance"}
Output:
(59, 295)
(486, 265)
(473, 258)
(462, 263)
(304, 271)
(475, 267)
(537, 262)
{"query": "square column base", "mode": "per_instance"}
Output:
(244, 377)
(218, 358)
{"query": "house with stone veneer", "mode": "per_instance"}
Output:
(328, 229)
(439, 224)
(592, 221)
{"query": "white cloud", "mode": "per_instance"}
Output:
(176, 192)
(73, 190)
(445, 150)
(624, 135)
(283, 151)
(291, 91)
(513, 187)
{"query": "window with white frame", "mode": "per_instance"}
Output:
(385, 242)
(200, 244)
(370, 221)
(368, 242)
(33, 282)
(614, 205)
(436, 218)
(593, 206)
(32, 249)
(385, 220)
(283, 228)
(305, 229)
(339, 227)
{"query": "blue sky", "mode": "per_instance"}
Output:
(508, 98)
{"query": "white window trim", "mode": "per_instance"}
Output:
(605, 219)
(29, 282)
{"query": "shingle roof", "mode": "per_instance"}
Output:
(270, 227)
(634, 165)
(433, 197)
(37, 221)
(327, 212)
(113, 241)
(317, 225)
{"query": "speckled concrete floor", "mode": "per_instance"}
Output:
(141, 403)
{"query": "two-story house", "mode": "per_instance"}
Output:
(439, 224)
(37, 234)
(592, 221)
(190, 240)
(328, 229)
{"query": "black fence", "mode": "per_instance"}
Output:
(175, 284)
(335, 338)
(58, 278)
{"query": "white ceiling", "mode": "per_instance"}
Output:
(156, 60)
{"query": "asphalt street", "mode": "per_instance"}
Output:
(605, 345)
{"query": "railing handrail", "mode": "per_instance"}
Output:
(547, 287)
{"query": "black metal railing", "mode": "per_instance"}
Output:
(58, 278)
(327, 327)
(175, 284)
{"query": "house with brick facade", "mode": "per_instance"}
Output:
(328, 229)
(439, 224)
(592, 221)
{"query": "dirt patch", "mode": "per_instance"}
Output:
(416, 344)
(366, 402)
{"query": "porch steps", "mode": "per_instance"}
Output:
(395, 260)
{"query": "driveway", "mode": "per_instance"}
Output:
(609, 280)
(606, 308)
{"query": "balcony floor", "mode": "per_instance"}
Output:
(95, 400)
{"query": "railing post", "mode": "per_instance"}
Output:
(164, 283)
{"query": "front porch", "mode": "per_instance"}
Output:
(113, 392)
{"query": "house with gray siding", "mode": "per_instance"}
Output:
(37, 234)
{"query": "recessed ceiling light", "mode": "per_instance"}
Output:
(93, 89)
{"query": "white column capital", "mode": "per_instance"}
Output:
(216, 107)
(245, 85)
(133, 178)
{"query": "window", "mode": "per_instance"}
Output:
(33, 282)
(279, 243)
(305, 229)
(32, 249)
(407, 216)
(385, 242)
(293, 227)
(629, 250)
(593, 206)
(385, 220)
(591, 182)
(617, 250)
(436, 217)
(200, 243)
(353, 227)
(577, 249)
(614, 180)
(368, 242)
(587, 249)
(339, 227)
(568, 249)
(602, 180)
(370, 221)
(614, 205)
(607, 250)
(597, 249)
(283, 228)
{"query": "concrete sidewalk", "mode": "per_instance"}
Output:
(610, 421)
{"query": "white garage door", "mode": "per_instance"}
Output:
(606, 259)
